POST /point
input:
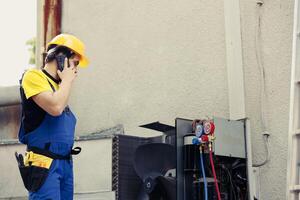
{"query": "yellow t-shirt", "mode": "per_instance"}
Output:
(35, 81)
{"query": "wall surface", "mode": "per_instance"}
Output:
(9, 121)
(276, 48)
(150, 61)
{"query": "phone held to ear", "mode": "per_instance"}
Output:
(60, 59)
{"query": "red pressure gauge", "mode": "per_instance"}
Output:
(204, 138)
(209, 127)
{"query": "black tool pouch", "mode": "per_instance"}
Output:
(33, 176)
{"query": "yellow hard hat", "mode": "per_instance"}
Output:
(72, 43)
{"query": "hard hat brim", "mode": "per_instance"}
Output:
(83, 62)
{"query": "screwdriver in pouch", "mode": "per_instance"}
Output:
(17, 158)
(21, 159)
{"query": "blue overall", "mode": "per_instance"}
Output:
(57, 135)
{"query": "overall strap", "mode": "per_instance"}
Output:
(52, 87)
(47, 74)
(67, 109)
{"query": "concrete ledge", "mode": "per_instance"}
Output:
(109, 195)
(9, 96)
(107, 133)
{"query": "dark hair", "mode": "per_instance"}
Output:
(51, 46)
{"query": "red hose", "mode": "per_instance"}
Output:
(214, 173)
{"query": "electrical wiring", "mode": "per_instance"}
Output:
(230, 180)
(266, 142)
(260, 65)
(203, 173)
(263, 96)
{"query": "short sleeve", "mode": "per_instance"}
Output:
(34, 83)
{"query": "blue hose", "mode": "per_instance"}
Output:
(203, 173)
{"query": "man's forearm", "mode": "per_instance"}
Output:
(61, 96)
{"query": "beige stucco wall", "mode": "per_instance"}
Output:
(150, 61)
(158, 60)
(276, 34)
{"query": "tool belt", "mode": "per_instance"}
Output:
(54, 156)
(34, 167)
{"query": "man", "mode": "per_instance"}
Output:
(48, 125)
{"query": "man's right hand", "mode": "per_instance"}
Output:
(69, 72)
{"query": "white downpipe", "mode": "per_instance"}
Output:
(234, 60)
(235, 76)
(252, 181)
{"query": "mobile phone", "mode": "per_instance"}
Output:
(60, 59)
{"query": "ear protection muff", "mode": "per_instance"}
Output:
(50, 56)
